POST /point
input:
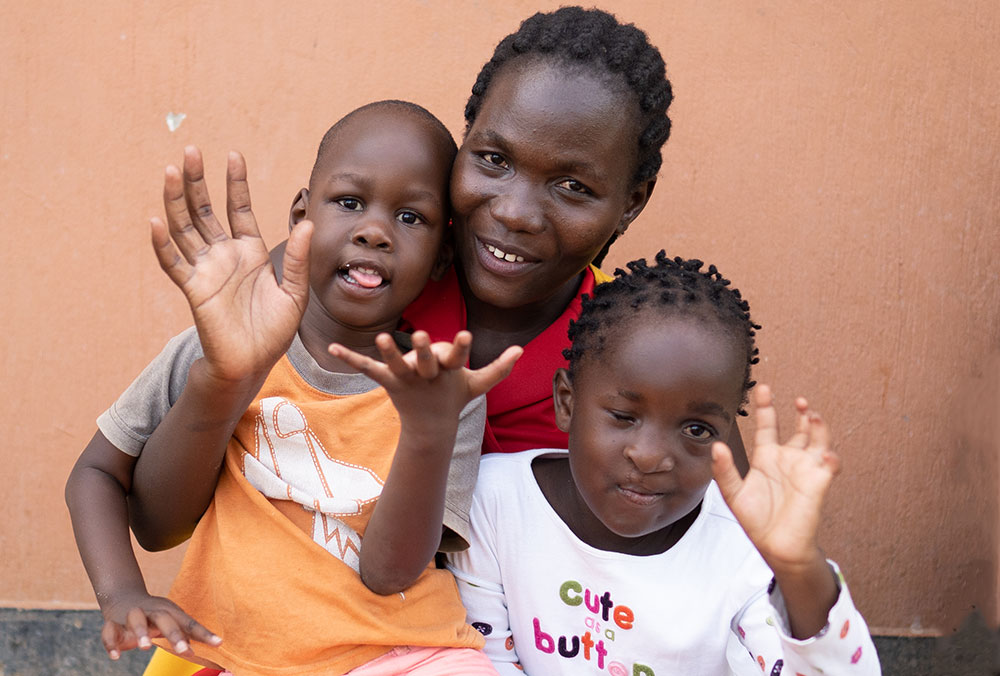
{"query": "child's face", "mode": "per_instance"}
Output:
(543, 180)
(641, 419)
(378, 200)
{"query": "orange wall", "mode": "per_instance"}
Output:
(839, 161)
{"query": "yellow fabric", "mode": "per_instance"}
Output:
(281, 602)
(600, 276)
(166, 664)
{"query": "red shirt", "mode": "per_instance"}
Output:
(520, 413)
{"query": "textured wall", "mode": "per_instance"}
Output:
(839, 164)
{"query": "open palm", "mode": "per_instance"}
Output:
(779, 502)
(246, 320)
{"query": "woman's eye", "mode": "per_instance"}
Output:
(349, 203)
(575, 186)
(495, 159)
(409, 218)
(699, 431)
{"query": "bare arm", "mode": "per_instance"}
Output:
(246, 320)
(779, 503)
(95, 495)
(429, 387)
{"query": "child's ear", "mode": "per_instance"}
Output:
(297, 212)
(446, 254)
(637, 201)
(562, 396)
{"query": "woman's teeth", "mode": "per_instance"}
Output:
(509, 257)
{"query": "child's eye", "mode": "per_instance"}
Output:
(621, 417)
(410, 218)
(350, 203)
(495, 159)
(575, 186)
(698, 431)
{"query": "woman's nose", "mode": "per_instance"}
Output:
(519, 207)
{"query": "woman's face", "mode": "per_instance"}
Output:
(541, 182)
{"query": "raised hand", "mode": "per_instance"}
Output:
(246, 320)
(429, 386)
(132, 621)
(779, 502)
(430, 379)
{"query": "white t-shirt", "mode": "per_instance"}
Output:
(555, 605)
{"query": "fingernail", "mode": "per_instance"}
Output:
(215, 640)
(144, 643)
(181, 646)
(114, 654)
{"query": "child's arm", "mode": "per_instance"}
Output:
(429, 387)
(778, 504)
(246, 320)
(95, 495)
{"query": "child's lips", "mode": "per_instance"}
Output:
(639, 495)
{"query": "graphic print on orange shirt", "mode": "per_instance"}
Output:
(289, 462)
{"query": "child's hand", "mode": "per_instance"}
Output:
(779, 502)
(430, 377)
(246, 320)
(133, 620)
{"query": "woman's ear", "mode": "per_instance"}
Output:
(297, 212)
(637, 201)
(562, 397)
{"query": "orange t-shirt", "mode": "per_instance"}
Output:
(277, 578)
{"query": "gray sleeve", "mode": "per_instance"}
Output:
(137, 412)
(462, 476)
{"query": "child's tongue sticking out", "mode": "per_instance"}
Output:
(366, 277)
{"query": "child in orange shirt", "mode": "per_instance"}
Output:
(332, 491)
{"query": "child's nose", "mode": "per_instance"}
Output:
(373, 232)
(651, 455)
(518, 207)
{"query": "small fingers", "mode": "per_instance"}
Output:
(370, 367)
(197, 631)
(135, 621)
(196, 195)
(391, 355)
(458, 354)
(238, 209)
(427, 364)
(171, 630)
(801, 437)
(171, 262)
(724, 469)
(819, 442)
(114, 639)
(187, 238)
(767, 418)
(295, 278)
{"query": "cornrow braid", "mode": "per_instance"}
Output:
(672, 285)
(594, 38)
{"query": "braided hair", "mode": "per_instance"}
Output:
(596, 40)
(672, 286)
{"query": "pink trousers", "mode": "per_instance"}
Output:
(418, 661)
